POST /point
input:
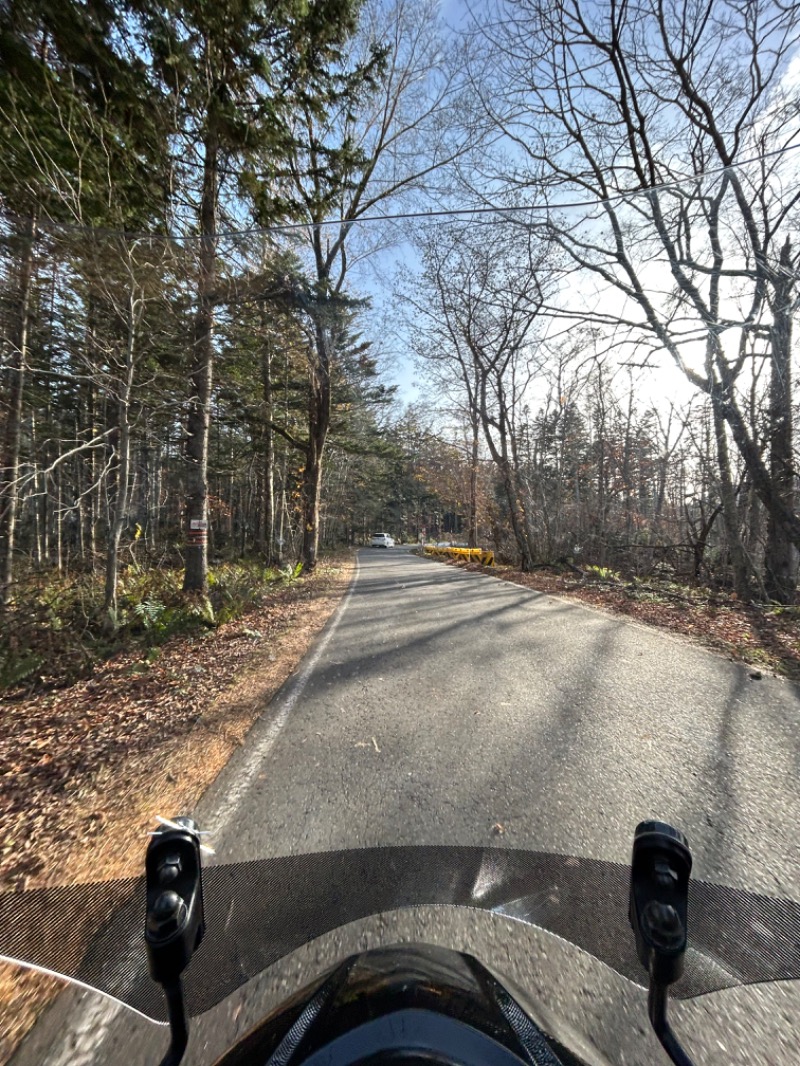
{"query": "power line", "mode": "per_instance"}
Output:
(448, 212)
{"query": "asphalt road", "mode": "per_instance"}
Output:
(438, 705)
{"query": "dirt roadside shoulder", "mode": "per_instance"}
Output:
(84, 771)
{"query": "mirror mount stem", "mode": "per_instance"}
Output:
(657, 1000)
(178, 1023)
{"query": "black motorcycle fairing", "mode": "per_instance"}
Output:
(408, 1004)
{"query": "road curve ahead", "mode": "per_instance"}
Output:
(446, 707)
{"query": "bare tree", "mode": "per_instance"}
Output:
(14, 370)
(128, 279)
(482, 294)
(359, 157)
(671, 121)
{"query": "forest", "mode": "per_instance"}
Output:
(230, 235)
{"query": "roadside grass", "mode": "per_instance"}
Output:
(55, 631)
(87, 767)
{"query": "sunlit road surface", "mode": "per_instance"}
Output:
(440, 705)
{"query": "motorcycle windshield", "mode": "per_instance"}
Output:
(260, 911)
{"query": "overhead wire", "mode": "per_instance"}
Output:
(621, 196)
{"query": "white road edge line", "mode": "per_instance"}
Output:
(247, 770)
(85, 1031)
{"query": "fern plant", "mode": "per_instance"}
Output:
(16, 667)
(150, 613)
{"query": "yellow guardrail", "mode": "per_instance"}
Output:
(484, 557)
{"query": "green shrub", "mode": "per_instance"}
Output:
(55, 628)
(602, 573)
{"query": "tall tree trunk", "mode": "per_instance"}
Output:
(58, 520)
(602, 495)
(120, 505)
(473, 486)
(627, 465)
(9, 462)
(144, 505)
(154, 519)
(522, 520)
(38, 549)
(516, 517)
(780, 558)
(730, 511)
(283, 516)
(515, 513)
(319, 415)
(195, 578)
(92, 510)
(502, 458)
(268, 537)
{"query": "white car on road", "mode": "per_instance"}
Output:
(381, 540)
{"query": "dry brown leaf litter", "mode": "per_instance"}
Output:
(84, 771)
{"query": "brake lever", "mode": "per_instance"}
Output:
(658, 911)
(175, 921)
